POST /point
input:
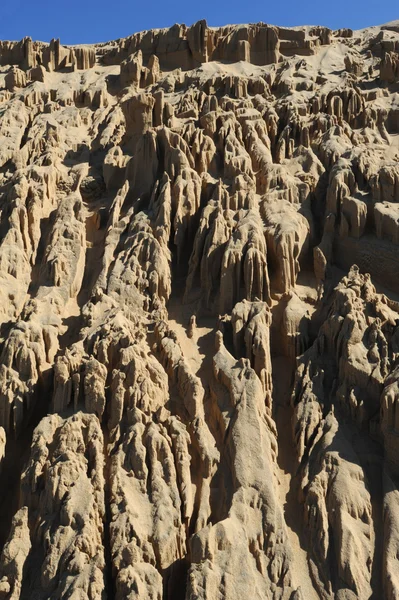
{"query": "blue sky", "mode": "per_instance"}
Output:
(87, 21)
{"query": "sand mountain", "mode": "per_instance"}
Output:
(199, 315)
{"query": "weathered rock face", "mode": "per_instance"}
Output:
(199, 330)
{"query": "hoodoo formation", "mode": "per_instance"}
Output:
(199, 316)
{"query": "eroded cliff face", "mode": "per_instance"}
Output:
(199, 325)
